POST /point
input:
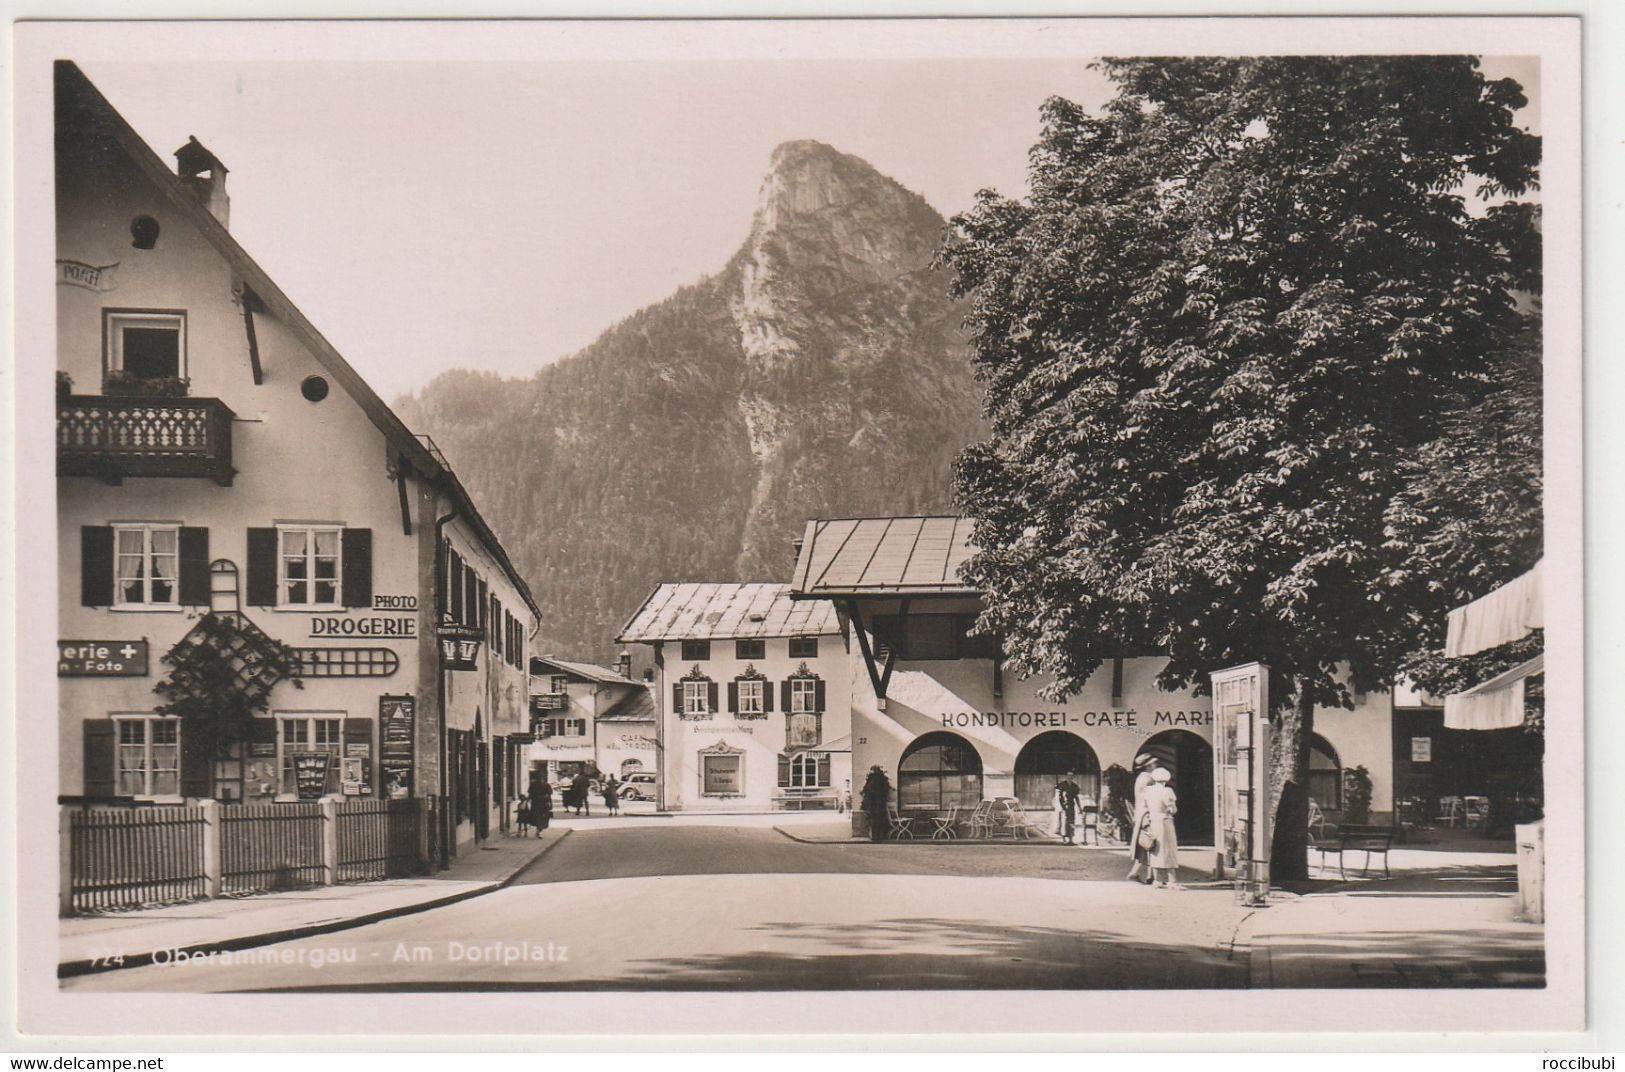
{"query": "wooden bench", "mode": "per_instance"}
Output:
(1366, 839)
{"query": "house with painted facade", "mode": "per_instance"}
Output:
(568, 700)
(754, 694)
(221, 467)
(932, 705)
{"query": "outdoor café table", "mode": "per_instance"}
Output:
(1009, 815)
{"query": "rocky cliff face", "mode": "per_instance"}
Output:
(821, 373)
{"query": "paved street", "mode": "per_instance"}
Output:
(674, 906)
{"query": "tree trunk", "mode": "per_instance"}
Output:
(1289, 788)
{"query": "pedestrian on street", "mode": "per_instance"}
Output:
(1161, 805)
(524, 815)
(612, 796)
(1055, 821)
(541, 801)
(876, 799)
(582, 788)
(1066, 792)
(1140, 869)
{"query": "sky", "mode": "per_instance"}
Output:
(499, 215)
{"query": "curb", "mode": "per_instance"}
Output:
(820, 841)
(71, 968)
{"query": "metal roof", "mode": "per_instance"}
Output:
(639, 706)
(727, 611)
(883, 556)
(590, 671)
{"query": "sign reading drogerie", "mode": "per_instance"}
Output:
(101, 658)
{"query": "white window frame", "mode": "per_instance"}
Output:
(757, 691)
(696, 698)
(148, 769)
(561, 727)
(286, 780)
(117, 321)
(804, 771)
(707, 757)
(146, 528)
(803, 696)
(310, 531)
(558, 684)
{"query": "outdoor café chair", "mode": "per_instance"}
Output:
(1091, 824)
(981, 819)
(945, 824)
(1449, 811)
(1013, 818)
(902, 826)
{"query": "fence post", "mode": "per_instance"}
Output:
(425, 819)
(211, 847)
(330, 841)
(65, 891)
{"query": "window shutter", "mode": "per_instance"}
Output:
(471, 596)
(501, 631)
(195, 763)
(96, 567)
(194, 567)
(784, 694)
(818, 700)
(711, 695)
(784, 771)
(823, 768)
(733, 697)
(357, 550)
(262, 567)
(99, 756)
(677, 698)
(767, 696)
(454, 585)
(262, 731)
(485, 608)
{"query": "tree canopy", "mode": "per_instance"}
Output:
(1230, 311)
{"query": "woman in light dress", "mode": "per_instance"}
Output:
(1159, 806)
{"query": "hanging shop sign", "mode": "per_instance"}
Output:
(397, 722)
(101, 658)
(459, 646)
(549, 701)
(521, 738)
(310, 774)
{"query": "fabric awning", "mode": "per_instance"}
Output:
(1509, 613)
(1496, 704)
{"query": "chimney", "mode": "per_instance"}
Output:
(204, 177)
(623, 663)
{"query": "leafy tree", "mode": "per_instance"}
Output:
(1470, 519)
(1229, 310)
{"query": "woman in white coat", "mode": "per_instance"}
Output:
(1161, 805)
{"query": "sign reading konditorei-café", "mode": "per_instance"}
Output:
(101, 658)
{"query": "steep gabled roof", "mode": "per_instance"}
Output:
(73, 87)
(639, 706)
(883, 556)
(726, 611)
(602, 675)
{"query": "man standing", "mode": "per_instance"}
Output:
(876, 798)
(1140, 869)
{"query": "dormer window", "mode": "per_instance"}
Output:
(145, 346)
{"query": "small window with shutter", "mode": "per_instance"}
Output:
(146, 566)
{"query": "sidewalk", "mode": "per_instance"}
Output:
(128, 939)
(1440, 921)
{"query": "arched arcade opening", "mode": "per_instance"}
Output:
(938, 771)
(1050, 757)
(1189, 758)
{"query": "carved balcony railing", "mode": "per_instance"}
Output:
(113, 437)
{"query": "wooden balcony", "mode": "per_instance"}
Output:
(113, 437)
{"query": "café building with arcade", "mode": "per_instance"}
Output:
(933, 706)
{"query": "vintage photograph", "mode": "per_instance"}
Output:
(1063, 521)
